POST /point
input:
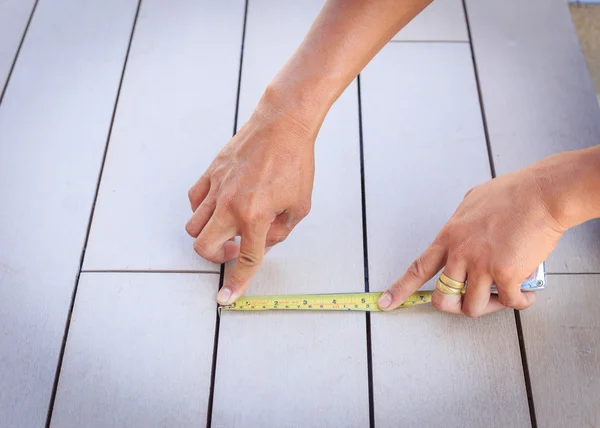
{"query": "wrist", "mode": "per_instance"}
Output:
(304, 103)
(305, 91)
(569, 183)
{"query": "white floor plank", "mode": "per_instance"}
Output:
(562, 341)
(538, 99)
(420, 114)
(139, 351)
(176, 111)
(54, 122)
(14, 15)
(442, 20)
(300, 369)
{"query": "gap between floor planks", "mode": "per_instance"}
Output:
(518, 324)
(74, 295)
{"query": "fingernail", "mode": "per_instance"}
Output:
(385, 300)
(223, 296)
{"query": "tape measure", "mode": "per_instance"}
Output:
(364, 302)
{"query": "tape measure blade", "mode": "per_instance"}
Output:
(352, 302)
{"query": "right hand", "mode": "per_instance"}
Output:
(258, 187)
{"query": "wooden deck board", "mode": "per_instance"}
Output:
(54, 122)
(421, 120)
(310, 368)
(139, 352)
(176, 111)
(562, 340)
(442, 20)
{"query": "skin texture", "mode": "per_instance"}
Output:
(260, 185)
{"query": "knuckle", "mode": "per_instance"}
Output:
(472, 312)
(398, 288)
(228, 199)
(440, 303)
(479, 263)
(417, 269)
(304, 209)
(469, 192)
(463, 248)
(190, 229)
(522, 304)
(253, 214)
(248, 259)
(436, 302)
(508, 301)
(504, 273)
(277, 239)
(444, 236)
(200, 247)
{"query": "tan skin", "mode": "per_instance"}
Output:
(260, 185)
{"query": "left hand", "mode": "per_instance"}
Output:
(500, 233)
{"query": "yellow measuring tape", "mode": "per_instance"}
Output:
(365, 302)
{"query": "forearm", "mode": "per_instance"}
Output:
(345, 36)
(570, 182)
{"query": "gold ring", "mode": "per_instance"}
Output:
(445, 289)
(451, 283)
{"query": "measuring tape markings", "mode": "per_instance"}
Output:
(364, 302)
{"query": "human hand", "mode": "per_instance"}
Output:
(500, 233)
(258, 187)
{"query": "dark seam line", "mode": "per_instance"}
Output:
(203, 272)
(493, 172)
(525, 368)
(87, 235)
(239, 83)
(213, 370)
(480, 95)
(12, 67)
(213, 374)
(366, 259)
(571, 273)
(429, 41)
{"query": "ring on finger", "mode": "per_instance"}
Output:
(449, 286)
(451, 282)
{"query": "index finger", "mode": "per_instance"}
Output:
(252, 249)
(419, 272)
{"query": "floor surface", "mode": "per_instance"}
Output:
(111, 109)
